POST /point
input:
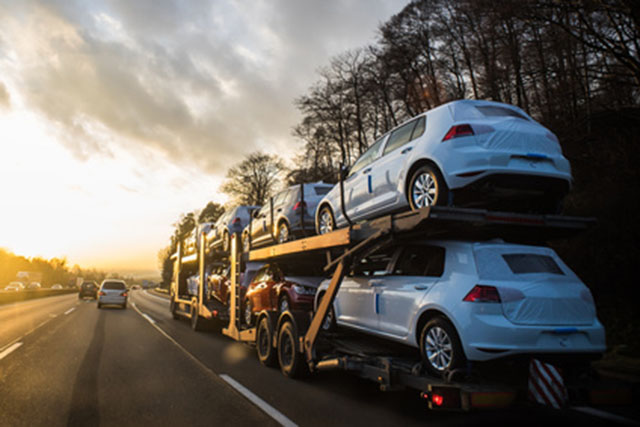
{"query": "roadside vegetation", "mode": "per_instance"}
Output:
(573, 66)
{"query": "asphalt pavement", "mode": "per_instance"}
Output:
(64, 362)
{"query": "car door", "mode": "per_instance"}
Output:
(358, 184)
(278, 210)
(416, 269)
(259, 230)
(357, 302)
(390, 167)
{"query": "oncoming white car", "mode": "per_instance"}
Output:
(113, 292)
(459, 301)
(463, 153)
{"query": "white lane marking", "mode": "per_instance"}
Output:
(603, 414)
(10, 344)
(146, 316)
(10, 350)
(156, 296)
(270, 410)
(69, 311)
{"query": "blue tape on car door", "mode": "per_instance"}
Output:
(377, 303)
(369, 184)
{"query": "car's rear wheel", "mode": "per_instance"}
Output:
(427, 188)
(326, 221)
(226, 242)
(283, 233)
(197, 322)
(99, 305)
(248, 313)
(440, 347)
(246, 242)
(329, 323)
(172, 307)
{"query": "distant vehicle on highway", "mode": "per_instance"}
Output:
(88, 289)
(113, 292)
(135, 287)
(34, 286)
(57, 286)
(14, 286)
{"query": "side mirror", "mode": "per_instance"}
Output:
(255, 214)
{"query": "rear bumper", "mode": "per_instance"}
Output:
(300, 302)
(116, 300)
(492, 336)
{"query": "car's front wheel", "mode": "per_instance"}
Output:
(248, 313)
(440, 347)
(226, 242)
(246, 242)
(326, 222)
(427, 188)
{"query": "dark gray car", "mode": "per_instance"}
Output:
(293, 216)
(232, 221)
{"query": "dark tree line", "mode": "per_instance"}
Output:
(559, 61)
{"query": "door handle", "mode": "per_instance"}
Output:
(406, 150)
(421, 287)
(366, 171)
(376, 283)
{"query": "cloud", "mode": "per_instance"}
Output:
(205, 83)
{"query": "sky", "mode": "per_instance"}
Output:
(118, 116)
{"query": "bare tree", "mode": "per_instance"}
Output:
(254, 180)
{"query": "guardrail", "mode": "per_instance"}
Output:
(7, 297)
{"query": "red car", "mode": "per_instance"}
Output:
(272, 290)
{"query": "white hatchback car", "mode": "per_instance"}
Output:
(113, 292)
(463, 153)
(458, 301)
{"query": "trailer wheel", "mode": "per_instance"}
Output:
(172, 308)
(197, 322)
(440, 347)
(291, 362)
(264, 343)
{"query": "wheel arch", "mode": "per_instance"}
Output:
(430, 314)
(319, 208)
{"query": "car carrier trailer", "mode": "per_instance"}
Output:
(293, 339)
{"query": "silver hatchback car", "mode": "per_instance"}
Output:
(293, 216)
(113, 292)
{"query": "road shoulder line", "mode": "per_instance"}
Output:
(253, 398)
(10, 350)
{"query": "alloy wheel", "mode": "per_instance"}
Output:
(438, 348)
(424, 191)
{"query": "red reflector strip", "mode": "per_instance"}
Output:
(546, 385)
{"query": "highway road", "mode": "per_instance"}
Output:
(64, 362)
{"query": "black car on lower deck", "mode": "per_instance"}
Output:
(88, 289)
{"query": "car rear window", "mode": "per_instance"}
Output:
(531, 263)
(493, 111)
(321, 190)
(420, 260)
(113, 285)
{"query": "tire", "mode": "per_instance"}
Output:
(284, 234)
(99, 306)
(246, 243)
(283, 304)
(197, 322)
(440, 347)
(264, 343)
(226, 242)
(124, 306)
(291, 361)
(172, 308)
(427, 188)
(247, 313)
(329, 323)
(325, 223)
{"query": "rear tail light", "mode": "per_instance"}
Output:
(299, 205)
(101, 293)
(124, 294)
(458, 131)
(482, 293)
(236, 220)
